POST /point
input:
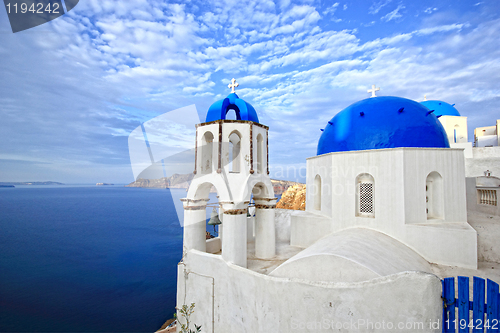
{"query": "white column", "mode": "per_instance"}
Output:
(250, 228)
(234, 244)
(265, 233)
(195, 228)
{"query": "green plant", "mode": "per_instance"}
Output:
(186, 312)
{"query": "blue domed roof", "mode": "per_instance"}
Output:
(382, 122)
(441, 108)
(244, 111)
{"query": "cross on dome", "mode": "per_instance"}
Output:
(233, 85)
(373, 90)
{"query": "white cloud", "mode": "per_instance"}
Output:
(331, 9)
(377, 6)
(395, 14)
(443, 28)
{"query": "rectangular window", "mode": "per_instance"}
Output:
(487, 197)
(366, 198)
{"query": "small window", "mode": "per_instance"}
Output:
(434, 197)
(234, 152)
(317, 192)
(487, 197)
(207, 152)
(365, 195)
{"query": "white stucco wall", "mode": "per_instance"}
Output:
(488, 231)
(466, 146)
(488, 181)
(449, 163)
(455, 127)
(400, 178)
(486, 158)
(487, 136)
(240, 300)
(306, 228)
(282, 222)
(473, 205)
(214, 245)
(487, 141)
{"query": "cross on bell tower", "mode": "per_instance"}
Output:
(233, 85)
(373, 90)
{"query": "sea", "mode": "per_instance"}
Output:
(81, 258)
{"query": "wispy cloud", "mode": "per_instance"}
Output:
(442, 28)
(377, 6)
(331, 9)
(395, 14)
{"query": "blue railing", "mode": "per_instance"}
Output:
(485, 311)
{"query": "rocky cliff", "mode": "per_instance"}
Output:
(174, 181)
(31, 183)
(293, 198)
(280, 186)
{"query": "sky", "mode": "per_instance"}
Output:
(72, 90)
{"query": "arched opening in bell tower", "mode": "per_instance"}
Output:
(202, 220)
(260, 154)
(234, 152)
(232, 114)
(207, 152)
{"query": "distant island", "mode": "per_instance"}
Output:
(102, 184)
(9, 184)
(183, 181)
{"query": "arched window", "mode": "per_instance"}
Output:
(317, 192)
(234, 152)
(434, 196)
(456, 131)
(260, 154)
(365, 195)
(206, 152)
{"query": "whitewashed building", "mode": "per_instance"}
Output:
(386, 198)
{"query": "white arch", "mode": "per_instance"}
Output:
(200, 187)
(434, 196)
(266, 187)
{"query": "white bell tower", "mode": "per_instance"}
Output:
(232, 157)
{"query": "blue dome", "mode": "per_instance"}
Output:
(441, 108)
(244, 111)
(382, 122)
